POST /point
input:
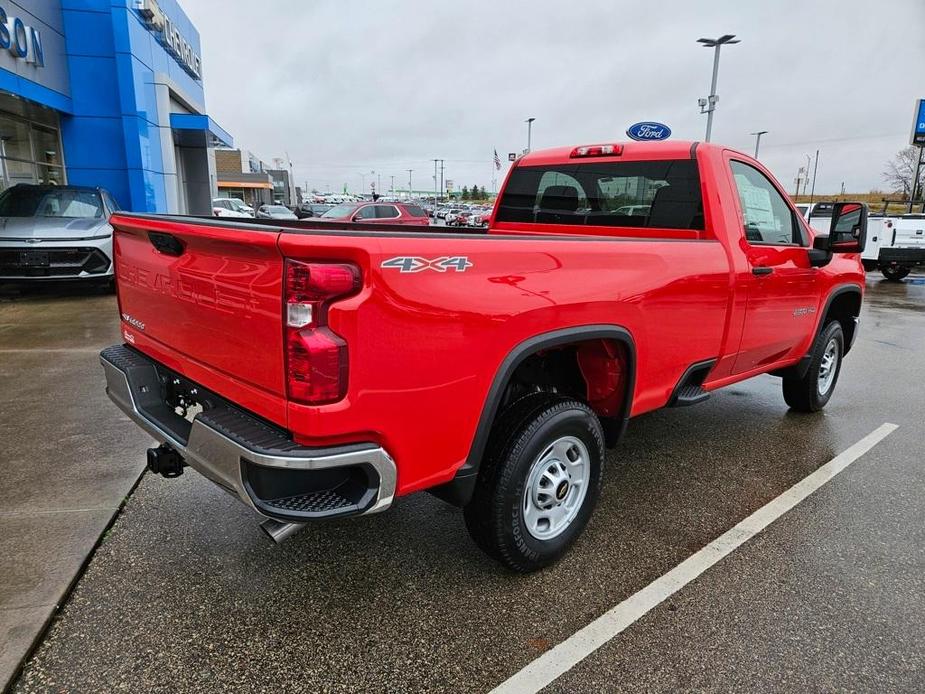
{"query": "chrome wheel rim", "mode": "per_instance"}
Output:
(827, 367)
(557, 484)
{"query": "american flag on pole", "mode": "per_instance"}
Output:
(497, 160)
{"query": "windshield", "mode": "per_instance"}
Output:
(276, 209)
(32, 202)
(237, 204)
(340, 211)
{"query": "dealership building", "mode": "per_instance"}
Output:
(107, 93)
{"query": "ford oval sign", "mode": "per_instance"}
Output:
(648, 131)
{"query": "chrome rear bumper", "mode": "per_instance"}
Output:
(248, 457)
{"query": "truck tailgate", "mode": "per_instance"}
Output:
(210, 294)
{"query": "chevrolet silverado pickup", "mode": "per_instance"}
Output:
(318, 370)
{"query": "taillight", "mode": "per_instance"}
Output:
(316, 356)
(597, 151)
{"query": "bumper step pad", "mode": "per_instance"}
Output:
(324, 501)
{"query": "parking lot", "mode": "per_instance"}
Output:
(185, 593)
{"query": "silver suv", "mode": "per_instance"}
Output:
(55, 232)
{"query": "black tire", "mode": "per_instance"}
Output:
(520, 436)
(894, 273)
(807, 394)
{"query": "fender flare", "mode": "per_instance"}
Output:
(459, 489)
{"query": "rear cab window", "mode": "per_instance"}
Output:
(647, 194)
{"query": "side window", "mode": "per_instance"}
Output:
(386, 212)
(767, 216)
(367, 212)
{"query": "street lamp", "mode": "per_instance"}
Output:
(409, 184)
(708, 105)
(758, 140)
(529, 123)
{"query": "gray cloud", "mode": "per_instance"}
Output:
(348, 87)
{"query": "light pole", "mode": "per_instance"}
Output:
(812, 192)
(409, 183)
(435, 184)
(708, 105)
(758, 140)
(529, 123)
(392, 189)
(809, 161)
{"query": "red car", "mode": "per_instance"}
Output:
(376, 212)
(317, 370)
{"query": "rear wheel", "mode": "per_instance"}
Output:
(894, 273)
(813, 391)
(538, 483)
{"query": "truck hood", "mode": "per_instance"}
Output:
(52, 228)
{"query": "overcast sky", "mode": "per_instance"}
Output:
(350, 87)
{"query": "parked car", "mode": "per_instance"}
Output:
(311, 209)
(56, 232)
(450, 215)
(323, 385)
(480, 219)
(231, 207)
(461, 218)
(275, 212)
(378, 212)
(633, 210)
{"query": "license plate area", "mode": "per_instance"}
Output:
(34, 258)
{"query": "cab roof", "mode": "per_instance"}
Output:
(632, 151)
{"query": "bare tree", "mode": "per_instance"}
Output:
(900, 171)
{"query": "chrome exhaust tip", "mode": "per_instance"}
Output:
(279, 531)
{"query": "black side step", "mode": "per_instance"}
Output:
(689, 395)
(689, 390)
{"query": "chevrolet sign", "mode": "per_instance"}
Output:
(170, 37)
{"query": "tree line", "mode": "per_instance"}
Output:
(474, 193)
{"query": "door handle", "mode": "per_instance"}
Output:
(762, 270)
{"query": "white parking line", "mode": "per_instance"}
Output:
(584, 642)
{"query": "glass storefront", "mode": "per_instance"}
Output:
(30, 144)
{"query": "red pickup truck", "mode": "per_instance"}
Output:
(318, 370)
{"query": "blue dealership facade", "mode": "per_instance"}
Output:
(107, 93)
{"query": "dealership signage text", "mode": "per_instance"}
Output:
(24, 42)
(171, 38)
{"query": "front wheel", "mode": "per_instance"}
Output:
(538, 483)
(894, 273)
(813, 391)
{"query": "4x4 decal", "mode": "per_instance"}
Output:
(405, 263)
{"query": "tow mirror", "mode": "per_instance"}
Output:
(847, 233)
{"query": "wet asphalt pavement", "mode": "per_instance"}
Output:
(187, 594)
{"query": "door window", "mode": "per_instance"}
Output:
(767, 218)
(386, 212)
(368, 212)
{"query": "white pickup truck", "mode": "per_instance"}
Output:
(895, 244)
